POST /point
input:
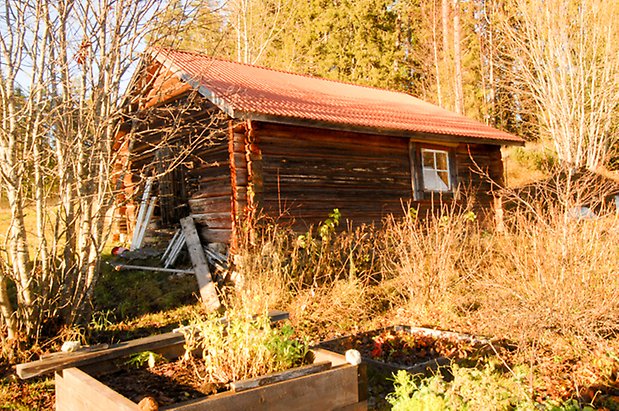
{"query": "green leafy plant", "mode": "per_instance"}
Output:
(141, 359)
(242, 347)
(482, 388)
(101, 320)
(327, 228)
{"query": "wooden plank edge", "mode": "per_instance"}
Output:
(80, 388)
(336, 383)
(87, 349)
(208, 291)
(39, 367)
(278, 315)
(263, 380)
(322, 354)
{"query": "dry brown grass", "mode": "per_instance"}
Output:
(428, 261)
(324, 281)
(554, 276)
(524, 165)
(548, 283)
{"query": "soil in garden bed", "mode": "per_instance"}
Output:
(167, 383)
(401, 347)
(389, 349)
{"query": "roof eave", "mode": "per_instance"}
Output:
(212, 97)
(435, 137)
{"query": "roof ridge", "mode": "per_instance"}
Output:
(350, 83)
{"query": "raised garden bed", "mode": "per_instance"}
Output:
(413, 349)
(330, 383)
(326, 381)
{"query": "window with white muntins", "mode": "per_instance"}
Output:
(435, 170)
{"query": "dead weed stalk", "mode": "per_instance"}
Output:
(549, 282)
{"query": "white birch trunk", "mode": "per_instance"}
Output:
(437, 71)
(56, 142)
(567, 56)
(458, 89)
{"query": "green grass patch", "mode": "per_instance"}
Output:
(129, 293)
(105, 329)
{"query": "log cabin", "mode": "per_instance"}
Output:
(225, 140)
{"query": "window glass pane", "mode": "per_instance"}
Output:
(441, 160)
(444, 176)
(428, 158)
(433, 181)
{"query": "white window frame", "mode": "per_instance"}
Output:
(434, 168)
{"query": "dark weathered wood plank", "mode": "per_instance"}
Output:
(207, 202)
(313, 193)
(216, 235)
(218, 179)
(211, 169)
(214, 220)
(60, 354)
(214, 190)
(390, 161)
(328, 390)
(352, 181)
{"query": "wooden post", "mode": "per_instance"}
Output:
(498, 214)
(208, 292)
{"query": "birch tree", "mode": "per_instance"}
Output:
(566, 54)
(238, 30)
(458, 89)
(63, 65)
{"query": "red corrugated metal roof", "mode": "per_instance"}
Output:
(246, 91)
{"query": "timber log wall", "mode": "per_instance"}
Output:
(301, 174)
(210, 191)
(307, 172)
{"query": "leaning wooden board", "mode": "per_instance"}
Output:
(78, 359)
(339, 387)
(208, 292)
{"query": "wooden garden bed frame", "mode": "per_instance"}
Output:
(329, 384)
